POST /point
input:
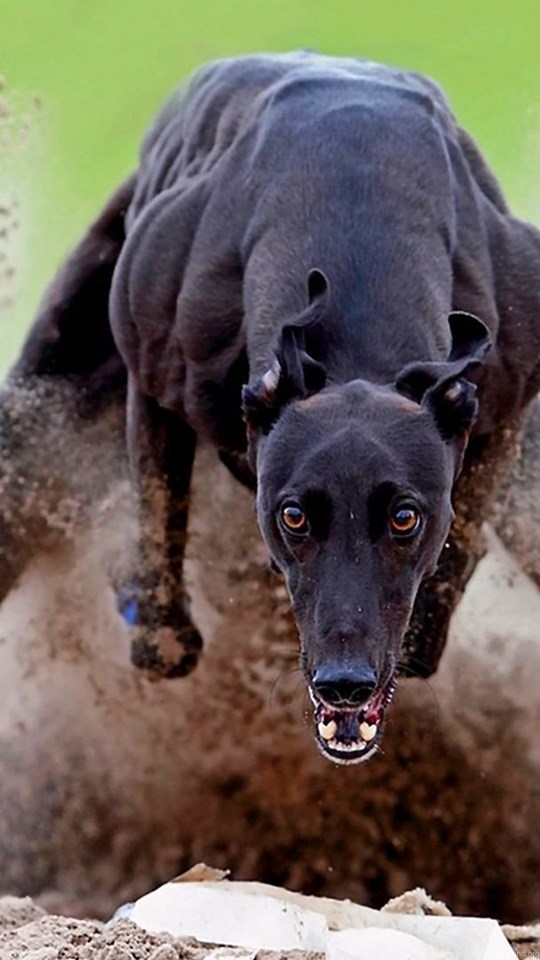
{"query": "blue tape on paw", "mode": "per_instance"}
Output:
(130, 612)
(127, 605)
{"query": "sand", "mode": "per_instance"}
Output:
(112, 784)
(26, 931)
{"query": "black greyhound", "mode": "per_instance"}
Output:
(313, 269)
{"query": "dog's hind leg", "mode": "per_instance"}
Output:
(68, 381)
(161, 448)
(476, 496)
(15, 537)
(517, 520)
(56, 466)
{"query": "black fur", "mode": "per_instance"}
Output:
(322, 235)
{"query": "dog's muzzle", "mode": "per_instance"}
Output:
(348, 735)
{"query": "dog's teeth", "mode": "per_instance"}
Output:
(327, 730)
(347, 747)
(368, 731)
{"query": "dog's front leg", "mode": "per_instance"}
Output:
(476, 496)
(161, 448)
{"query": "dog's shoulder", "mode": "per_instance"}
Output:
(226, 99)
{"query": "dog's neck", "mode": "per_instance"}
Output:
(373, 338)
(372, 326)
(382, 232)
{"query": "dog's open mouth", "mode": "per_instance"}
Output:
(348, 735)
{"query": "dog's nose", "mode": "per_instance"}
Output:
(338, 688)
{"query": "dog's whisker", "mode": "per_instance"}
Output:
(285, 674)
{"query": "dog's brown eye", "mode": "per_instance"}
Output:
(294, 519)
(405, 521)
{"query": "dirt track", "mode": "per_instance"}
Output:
(112, 784)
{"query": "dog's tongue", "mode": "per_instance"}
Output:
(347, 727)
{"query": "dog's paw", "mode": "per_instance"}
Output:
(164, 641)
(167, 651)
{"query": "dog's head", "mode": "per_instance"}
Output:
(354, 502)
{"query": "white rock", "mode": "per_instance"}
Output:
(257, 916)
(374, 943)
(220, 914)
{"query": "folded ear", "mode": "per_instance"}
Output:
(294, 373)
(443, 387)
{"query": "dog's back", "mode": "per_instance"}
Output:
(226, 99)
(262, 167)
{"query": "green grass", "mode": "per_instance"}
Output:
(102, 67)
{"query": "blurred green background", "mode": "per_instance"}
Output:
(83, 78)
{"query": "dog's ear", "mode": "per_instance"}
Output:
(318, 287)
(443, 388)
(294, 373)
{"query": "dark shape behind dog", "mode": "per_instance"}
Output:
(311, 249)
